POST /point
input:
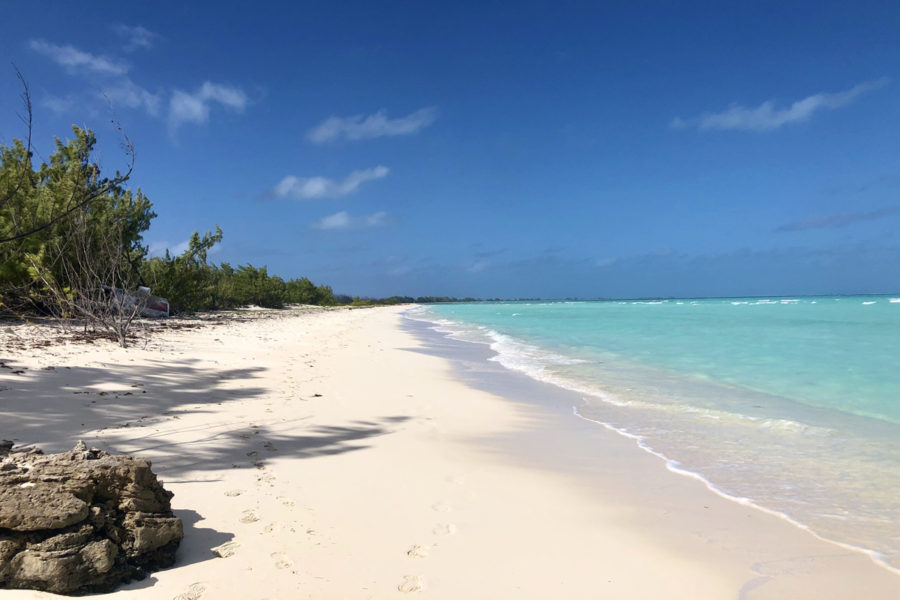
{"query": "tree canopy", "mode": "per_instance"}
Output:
(38, 207)
(43, 207)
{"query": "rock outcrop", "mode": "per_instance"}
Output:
(81, 521)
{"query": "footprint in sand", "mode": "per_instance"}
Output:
(194, 592)
(412, 583)
(249, 516)
(225, 550)
(277, 526)
(282, 561)
(418, 551)
(270, 447)
(444, 529)
(233, 493)
(441, 507)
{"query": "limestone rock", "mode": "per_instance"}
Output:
(81, 521)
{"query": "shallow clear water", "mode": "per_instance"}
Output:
(793, 404)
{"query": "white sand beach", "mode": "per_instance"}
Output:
(334, 458)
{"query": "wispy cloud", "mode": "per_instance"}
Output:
(305, 188)
(343, 220)
(840, 220)
(478, 266)
(58, 104)
(117, 88)
(129, 94)
(194, 108)
(766, 117)
(135, 37)
(159, 248)
(72, 58)
(359, 127)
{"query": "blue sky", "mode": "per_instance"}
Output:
(564, 149)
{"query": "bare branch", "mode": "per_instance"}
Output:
(91, 280)
(27, 120)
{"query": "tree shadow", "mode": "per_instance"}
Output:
(138, 409)
(54, 406)
(242, 446)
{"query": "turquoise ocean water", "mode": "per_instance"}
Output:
(791, 404)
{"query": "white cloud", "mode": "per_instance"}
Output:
(74, 59)
(129, 94)
(159, 248)
(304, 188)
(766, 117)
(339, 220)
(343, 220)
(375, 220)
(359, 127)
(478, 266)
(195, 108)
(58, 104)
(135, 37)
(120, 90)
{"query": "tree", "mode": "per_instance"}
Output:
(192, 283)
(94, 278)
(24, 224)
(71, 244)
(302, 291)
(188, 280)
(60, 266)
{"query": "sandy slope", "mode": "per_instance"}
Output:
(338, 460)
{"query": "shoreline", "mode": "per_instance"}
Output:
(599, 406)
(366, 464)
(671, 464)
(571, 398)
(674, 467)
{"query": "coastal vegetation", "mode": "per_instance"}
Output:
(71, 240)
(192, 283)
(72, 246)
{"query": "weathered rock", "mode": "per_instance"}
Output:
(81, 521)
(36, 506)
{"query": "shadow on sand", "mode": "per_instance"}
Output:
(137, 410)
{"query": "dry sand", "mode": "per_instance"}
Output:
(330, 455)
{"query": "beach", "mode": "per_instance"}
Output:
(345, 454)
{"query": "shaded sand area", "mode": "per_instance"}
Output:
(340, 454)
